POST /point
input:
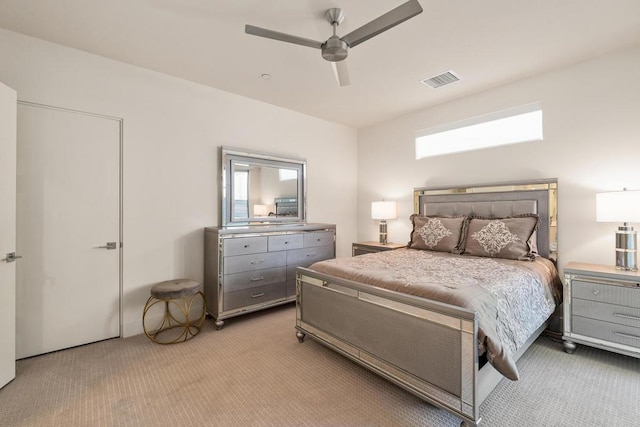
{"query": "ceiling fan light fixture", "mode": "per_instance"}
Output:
(334, 49)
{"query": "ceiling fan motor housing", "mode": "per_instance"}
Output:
(334, 49)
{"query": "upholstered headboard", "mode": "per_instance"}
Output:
(498, 200)
(286, 206)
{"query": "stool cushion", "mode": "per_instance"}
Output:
(174, 289)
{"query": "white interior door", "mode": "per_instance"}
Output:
(68, 205)
(7, 234)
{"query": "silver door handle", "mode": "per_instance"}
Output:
(11, 257)
(108, 246)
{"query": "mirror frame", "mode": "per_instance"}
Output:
(230, 156)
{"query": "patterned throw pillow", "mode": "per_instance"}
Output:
(437, 233)
(501, 237)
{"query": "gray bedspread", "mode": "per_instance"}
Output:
(511, 298)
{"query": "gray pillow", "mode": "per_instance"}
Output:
(437, 233)
(501, 237)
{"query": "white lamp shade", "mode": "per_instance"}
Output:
(384, 210)
(618, 206)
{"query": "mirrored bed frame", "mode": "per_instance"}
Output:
(378, 328)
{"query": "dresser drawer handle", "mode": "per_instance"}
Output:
(257, 279)
(259, 261)
(309, 255)
(596, 292)
(258, 295)
(246, 246)
(620, 334)
(626, 316)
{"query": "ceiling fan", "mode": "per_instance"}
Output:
(336, 49)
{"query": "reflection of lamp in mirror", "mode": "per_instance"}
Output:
(621, 206)
(383, 211)
(260, 210)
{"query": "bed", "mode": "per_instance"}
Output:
(443, 325)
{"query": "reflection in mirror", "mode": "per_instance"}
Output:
(261, 188)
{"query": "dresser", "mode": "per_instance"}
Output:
(252, 268)
(601, 308)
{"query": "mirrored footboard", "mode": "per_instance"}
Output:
(426, 347)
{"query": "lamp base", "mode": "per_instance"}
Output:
(626, 249)
(383, 232)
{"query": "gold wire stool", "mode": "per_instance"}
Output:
(178, 297)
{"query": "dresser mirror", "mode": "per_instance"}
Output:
(261, 188)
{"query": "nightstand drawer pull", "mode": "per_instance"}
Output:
(626, 316)
(595, 292)
(256, 279)
(620, 334)
(260, 261)
(311, 255)
(258, 295)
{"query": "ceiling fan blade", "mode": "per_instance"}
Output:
(341, 72)
(263, 32)
(383, 23)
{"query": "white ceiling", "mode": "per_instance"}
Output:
(486, 42)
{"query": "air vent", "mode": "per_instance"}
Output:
(441, 79)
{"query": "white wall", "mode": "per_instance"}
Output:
(172, 131)
(591, 143)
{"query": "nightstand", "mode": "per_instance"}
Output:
(371, 247)
(601, 308)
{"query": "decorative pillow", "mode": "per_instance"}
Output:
(501, 237)
(437, 233)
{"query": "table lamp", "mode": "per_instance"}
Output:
(383, 211)
(621, 206)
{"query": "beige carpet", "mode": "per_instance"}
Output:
(255, 373)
